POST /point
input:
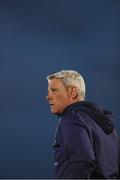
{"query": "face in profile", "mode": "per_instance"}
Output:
(58, 96)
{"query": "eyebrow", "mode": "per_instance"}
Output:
(53, 89)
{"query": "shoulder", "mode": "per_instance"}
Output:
(74, 128)
(74, 118)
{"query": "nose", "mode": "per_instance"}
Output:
(48, 96)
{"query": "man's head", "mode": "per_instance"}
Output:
(64, 88)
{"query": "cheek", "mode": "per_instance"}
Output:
(62, 99)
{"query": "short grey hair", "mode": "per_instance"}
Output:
(70, 78)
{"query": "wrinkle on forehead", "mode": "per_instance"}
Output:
(55, 83)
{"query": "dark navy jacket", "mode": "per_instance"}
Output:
(86, 143)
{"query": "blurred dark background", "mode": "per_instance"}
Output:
(40, 37)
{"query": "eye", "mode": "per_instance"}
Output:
(54, 89)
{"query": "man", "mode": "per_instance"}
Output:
(86, 142)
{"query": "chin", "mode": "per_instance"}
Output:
(54, 111)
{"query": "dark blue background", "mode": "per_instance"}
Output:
(37, 38)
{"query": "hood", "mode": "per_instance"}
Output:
(102, 117)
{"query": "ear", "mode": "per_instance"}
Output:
(73, 92)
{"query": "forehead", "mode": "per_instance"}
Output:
(55, 83)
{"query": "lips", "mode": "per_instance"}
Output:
(51, 104)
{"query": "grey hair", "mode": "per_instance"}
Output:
(70, 78)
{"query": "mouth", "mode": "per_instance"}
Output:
(51, 104)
